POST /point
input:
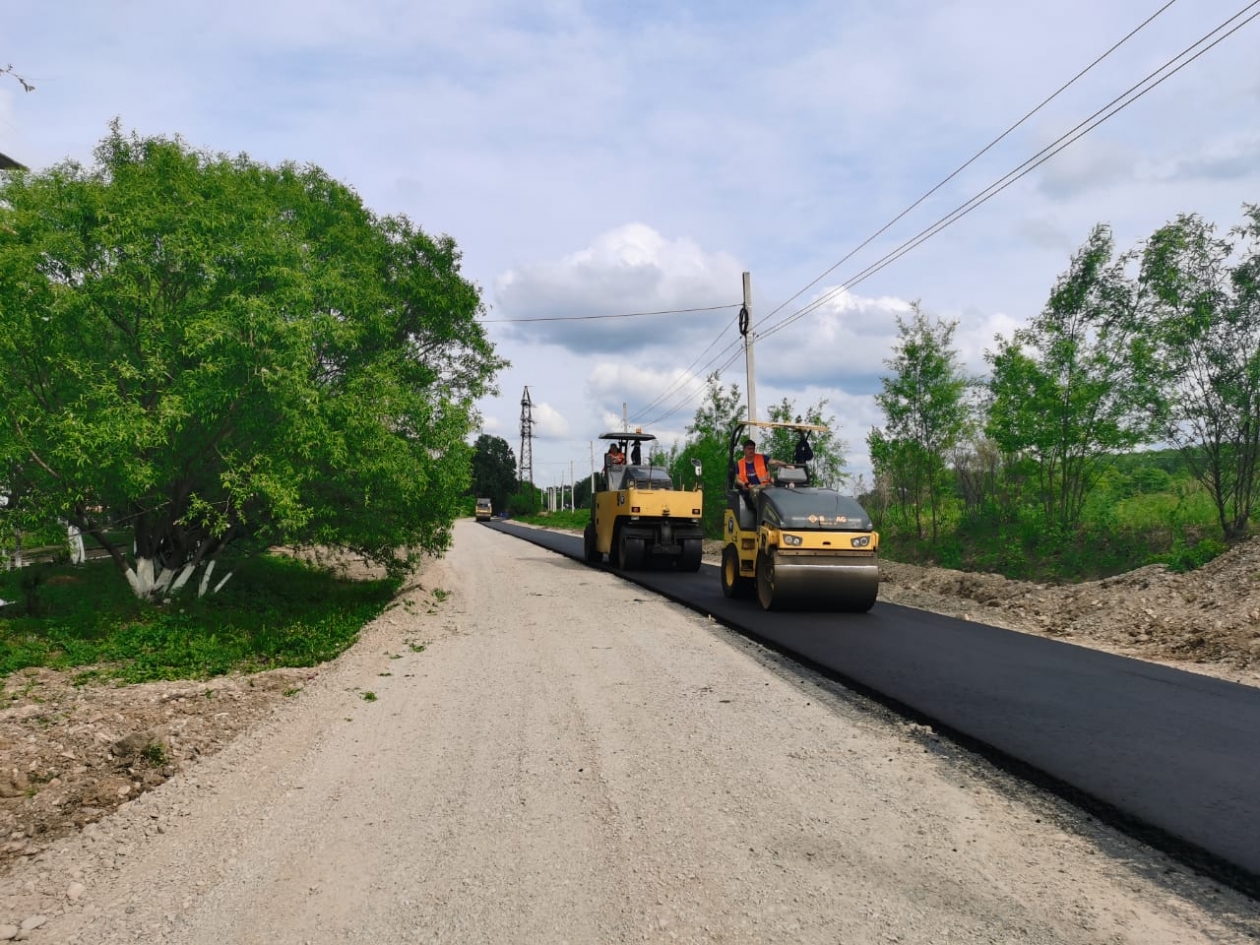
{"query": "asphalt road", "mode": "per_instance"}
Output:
(1171, 756)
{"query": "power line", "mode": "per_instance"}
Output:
(971, 160)
(678, 384)
(682, 379)
(583, 318)
(689, 398)
(1068, 138)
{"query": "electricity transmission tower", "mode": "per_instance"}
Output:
(525, 472)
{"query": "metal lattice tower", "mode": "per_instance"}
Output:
(525, 472)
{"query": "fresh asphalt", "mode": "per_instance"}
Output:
(1170, 756)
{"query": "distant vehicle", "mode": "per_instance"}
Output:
(638, 518)
(485, 510)
(801, 546)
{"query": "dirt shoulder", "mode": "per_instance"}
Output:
(70, 755)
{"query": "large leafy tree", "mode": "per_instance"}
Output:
(211, 352)
(493, 470)
(925, 407)
(1068, 391)
(1203, 317)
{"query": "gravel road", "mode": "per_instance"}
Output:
(569, 759)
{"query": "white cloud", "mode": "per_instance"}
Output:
(841, 345)
(548, 421)
(630, 269)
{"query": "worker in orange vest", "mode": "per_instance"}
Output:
(753, 471)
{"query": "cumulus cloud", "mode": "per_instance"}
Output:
(630, 269)
(841, 345)
(548, 421)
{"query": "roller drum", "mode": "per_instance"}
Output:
(820, 583)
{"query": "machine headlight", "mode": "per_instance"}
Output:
(861, 542)
(793, 540)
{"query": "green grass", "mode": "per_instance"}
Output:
(274, 612)
(576, 519)
(1119, 530)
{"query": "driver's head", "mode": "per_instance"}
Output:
(749, 447)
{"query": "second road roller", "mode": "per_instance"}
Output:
(789, 541)
(638, 518)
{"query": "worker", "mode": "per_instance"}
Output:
(614, 456)
(753, 471)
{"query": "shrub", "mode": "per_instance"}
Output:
(1185, 557)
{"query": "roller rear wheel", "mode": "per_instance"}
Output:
(692, 552)
(589, 548)
(632, 553)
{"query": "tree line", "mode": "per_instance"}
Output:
(1157, 347)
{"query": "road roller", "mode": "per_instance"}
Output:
(638, 518)
(790, 542)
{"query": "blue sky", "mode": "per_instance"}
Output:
(603, 158)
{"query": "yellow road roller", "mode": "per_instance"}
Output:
(485, 510)
(792, 543)
(638, 518)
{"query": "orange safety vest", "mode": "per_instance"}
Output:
(759, 470)
(616, 458)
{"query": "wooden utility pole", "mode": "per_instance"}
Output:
(745, 329)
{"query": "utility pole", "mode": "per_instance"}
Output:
(625, 422)
(572, 486)
(745, 329)
(525, 472)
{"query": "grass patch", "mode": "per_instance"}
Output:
(573, 519)
(274, 612)
(154, 753)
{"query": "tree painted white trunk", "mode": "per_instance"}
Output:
(141, 578)
(184, 575)
(145, 583)
(78, 554)
(205, 579)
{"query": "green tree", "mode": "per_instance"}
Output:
(212, 352)
(493, 470)
(924, 405)
(827, 466)
(1078, 399)
(1204, 318)
(708, 441)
